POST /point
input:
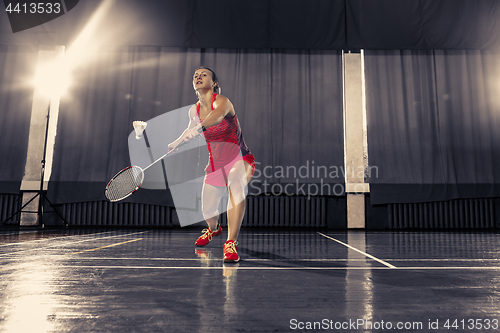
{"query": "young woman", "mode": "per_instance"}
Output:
(231, 165)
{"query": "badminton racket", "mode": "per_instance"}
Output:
(128, 180)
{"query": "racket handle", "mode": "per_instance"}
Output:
(180, 144)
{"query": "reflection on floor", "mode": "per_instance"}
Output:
(124, 280)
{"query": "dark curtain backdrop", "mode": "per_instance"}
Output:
(272, 24)
(289, 105)
(433, 120)
(423, 24)
(307, 115)
(17, 64)
(433, 116)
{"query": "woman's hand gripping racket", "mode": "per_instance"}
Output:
(127, 181)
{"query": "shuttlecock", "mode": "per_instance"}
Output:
(139, 127)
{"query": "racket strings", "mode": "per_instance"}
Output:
(128, 180)
(124, 184)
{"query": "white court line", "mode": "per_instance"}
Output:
(218, 259)
(236, 267)
(63, 244)
(279, 234)
(451, 268)
(106, 246)
(438, 260)
(284, 260)
(52, 238)
(363, 253)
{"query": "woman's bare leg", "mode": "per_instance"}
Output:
(211, 196)
(238, 178)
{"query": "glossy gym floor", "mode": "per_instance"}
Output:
(156, 280)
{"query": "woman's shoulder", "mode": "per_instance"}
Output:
(221, 100)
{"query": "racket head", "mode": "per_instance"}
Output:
(124, 183)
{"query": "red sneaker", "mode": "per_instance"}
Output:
(207, 236)
(230, 254)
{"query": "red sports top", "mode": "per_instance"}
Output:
(225, 141)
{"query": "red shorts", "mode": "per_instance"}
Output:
(219, 176)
